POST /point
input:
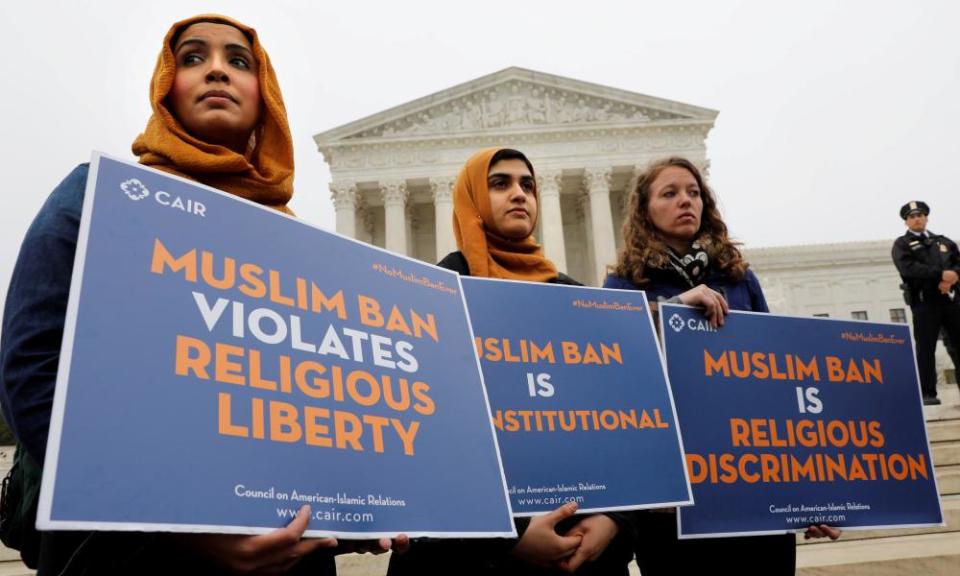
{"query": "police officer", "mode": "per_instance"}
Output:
(929, 265)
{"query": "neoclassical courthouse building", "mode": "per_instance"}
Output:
(393, 174)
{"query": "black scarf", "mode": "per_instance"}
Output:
(693, 265)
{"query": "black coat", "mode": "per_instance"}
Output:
(921, 262)
(457, 262)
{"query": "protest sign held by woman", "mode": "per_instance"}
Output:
(218, 118)
(677, 249)
(495, 213)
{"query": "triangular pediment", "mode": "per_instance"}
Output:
(515, 100)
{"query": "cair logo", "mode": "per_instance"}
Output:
(136, 191)
(693, 324)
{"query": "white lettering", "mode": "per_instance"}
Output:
(210, 315)
(185, 204)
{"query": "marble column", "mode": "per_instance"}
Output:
(551, 217)
(344, 196)
(413, 223)
(394, 210)
(620, 206)
(365, 220)
(442, 189)
(587, 271)
(597, 181)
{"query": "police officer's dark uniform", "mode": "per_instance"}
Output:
(921, 259)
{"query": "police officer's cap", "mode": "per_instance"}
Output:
(914, 206)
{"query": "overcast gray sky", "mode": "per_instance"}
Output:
(832, 113)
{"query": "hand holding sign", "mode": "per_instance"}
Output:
(714, 304)
(541, 545)
(273, 553)
(596, 533)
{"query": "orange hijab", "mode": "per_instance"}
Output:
(264, 176)
(488, 254)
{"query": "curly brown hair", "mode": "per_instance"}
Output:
(643, 246)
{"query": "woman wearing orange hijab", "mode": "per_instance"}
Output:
(218, 115)
(494, 215)
(218, 118)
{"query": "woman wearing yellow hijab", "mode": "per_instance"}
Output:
(494, 214)
(218, 118)
(218, 115)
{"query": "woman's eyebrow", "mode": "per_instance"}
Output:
(239, 47)
(186, 41)
(203, 43)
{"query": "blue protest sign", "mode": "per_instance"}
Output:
(789, 422)
(224, 364)
(579, 396)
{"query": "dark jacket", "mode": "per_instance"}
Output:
(33, 323)
(921, 262)
(457, 262)
(492, 556)
(35, 312)
(664, 284)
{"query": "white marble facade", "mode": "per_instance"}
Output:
(393, 171)
(835, 280)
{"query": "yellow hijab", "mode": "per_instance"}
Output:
(264, 176)
(488, 254)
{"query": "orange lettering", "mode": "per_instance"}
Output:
(834, 369)
(396, 323)
(225, 426)
(253, 285)
(697, 468)
(739, 432)
(283, 422)
(316, 433)
(162, 258)
(348, 430)
(571, 354)
(712, 365)
(225, 369)
(198, 363)
(369, 311)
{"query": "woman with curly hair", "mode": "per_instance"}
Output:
(676, 246)
(677, 249)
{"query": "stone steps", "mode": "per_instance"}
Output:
(15, 569)
(951, 518)
(946, 453)
(927, 554)
(948, 480)
(362, 564)
(943, 430)
(8, 555)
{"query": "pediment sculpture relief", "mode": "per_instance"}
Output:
(515, 104)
